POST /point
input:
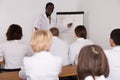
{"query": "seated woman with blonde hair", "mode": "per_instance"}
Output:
(92, 63)
(43, 65)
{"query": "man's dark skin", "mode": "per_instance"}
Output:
(49, 10)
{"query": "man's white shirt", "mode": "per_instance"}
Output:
(60, 48)
(76, 47)
(42, 22)
(113, 56)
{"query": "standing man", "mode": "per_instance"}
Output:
(47, 19)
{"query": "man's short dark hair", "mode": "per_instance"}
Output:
(54, 31)
(115, 36)
(81, 31)
(14, 32)
(49, 3)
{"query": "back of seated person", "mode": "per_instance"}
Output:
(92, 63)
(43, 65)
(59, 47)
(81, 41)
(113, 54)
(12, 51)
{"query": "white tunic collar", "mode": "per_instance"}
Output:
(116, 48)
(96, 78)
(80, 39)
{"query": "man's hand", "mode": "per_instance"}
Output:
(69, 25)
(36, 28)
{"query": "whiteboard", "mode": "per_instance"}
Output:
(63, 18)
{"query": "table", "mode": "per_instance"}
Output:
(10, 76)
(66, 71)
(2, 62)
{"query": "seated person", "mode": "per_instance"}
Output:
(12, 51)
(113, 55)
(59, 47)
(43, 65)
(81, 40)
(92, 63)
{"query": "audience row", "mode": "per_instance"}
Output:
(47, 53)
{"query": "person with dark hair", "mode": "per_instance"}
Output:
(54, 31)
(113, 55)
(47, 19)
(14, 32)
(92, 63)
(56, 48)
(12, 51)
(81, 35)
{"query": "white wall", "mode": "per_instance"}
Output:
(101, 16)
(24, 12)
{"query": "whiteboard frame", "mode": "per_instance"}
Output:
(68, 35)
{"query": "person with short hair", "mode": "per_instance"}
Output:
(113, 54)
(92, 63)
(59, 47)
(81, 40)
(43, 65)
(46, 20)
(12, 51)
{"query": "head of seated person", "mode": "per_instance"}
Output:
(41, 40)
(115, 38)
(92, 62)
(54, 31)
(14, 32)
(80, 31)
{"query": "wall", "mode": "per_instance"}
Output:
(101, 17)
(24, 12)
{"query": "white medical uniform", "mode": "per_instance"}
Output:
(60, 48)
(42, 22)
(113, 56)
(41, 66)
(76, 47)
(13, 53)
